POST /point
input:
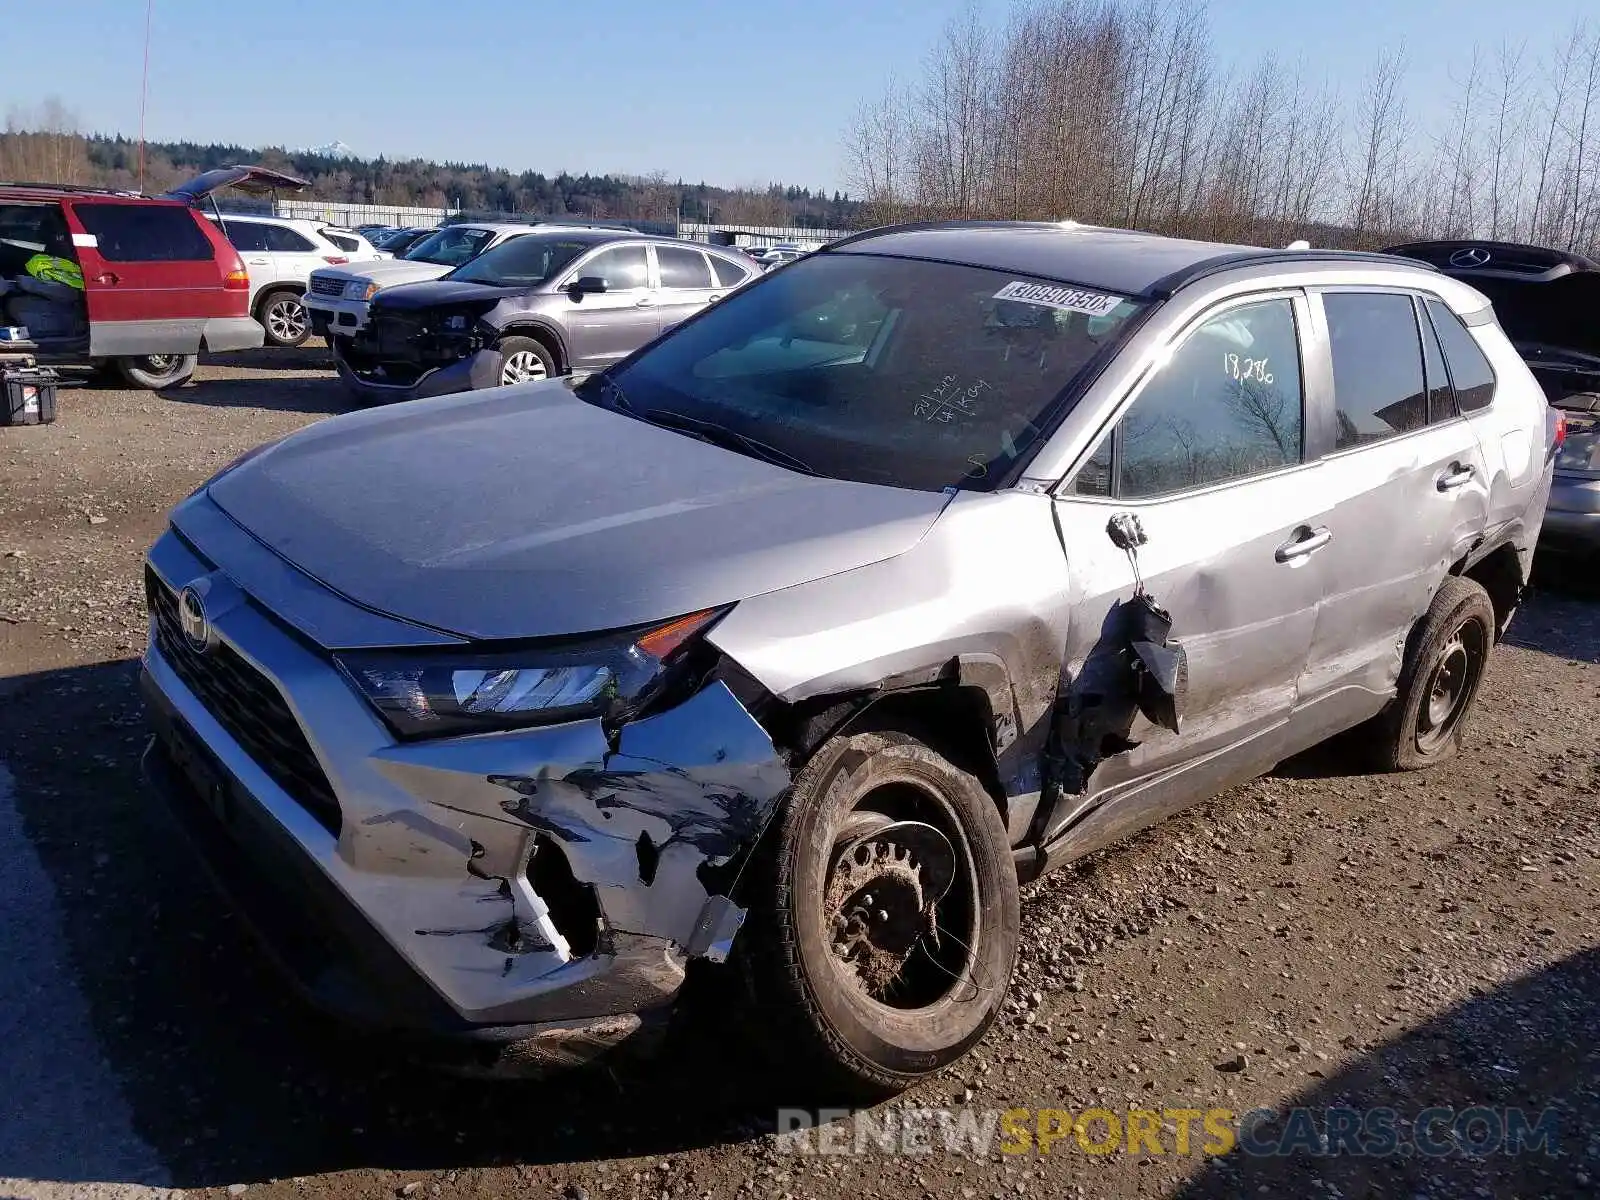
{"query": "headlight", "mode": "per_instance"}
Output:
(434, 693)
(360, 289)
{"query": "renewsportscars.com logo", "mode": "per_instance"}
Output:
(1476, 1131)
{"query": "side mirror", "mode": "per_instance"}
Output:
(588, 285)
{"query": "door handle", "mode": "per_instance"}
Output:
(644, 301)
(259, 262)
(1305, 541)
(1456, 476)
(109, 278)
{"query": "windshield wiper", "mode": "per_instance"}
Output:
(728, 439)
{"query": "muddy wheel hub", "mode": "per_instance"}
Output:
(882, 898)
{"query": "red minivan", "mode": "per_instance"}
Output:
(160, 282)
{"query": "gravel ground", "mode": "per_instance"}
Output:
(1316, 938)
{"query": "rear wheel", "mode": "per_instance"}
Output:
(524, 360)
(284, 318)
(154, 371)
(886, 916)
(1446, 658)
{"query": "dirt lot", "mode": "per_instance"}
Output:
(1316, 938)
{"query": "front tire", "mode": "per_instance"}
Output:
(524, 360)
(156, 371)
(283, 317)
(881, 953)
(1447, 656)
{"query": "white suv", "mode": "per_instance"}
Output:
(280, 253)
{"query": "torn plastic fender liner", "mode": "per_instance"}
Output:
(684, 789)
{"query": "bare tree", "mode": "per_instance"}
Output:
(1505, 150)
(1381, 131)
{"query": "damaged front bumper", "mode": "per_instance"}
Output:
(540, 889)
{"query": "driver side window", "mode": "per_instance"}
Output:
(624, 268)
(1228, 405)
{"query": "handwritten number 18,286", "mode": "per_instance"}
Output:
(1244, 370)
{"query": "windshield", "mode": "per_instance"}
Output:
(451, 246)
(522, 262)
(881, 370)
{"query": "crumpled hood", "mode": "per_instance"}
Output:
(387, 272)
(440, 293)
(526, 512)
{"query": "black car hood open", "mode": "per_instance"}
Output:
(254, 181)
(439, 293)
(1546, 300)
(526, 512)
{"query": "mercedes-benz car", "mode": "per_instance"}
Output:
(792, 644)
(1548, 302)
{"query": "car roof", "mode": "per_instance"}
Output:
(1128, 262)
(59, 191)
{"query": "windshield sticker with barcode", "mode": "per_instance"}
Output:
(1096, 304)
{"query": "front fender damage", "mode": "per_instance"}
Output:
(643, 824)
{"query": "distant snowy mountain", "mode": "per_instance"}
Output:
(334, 149)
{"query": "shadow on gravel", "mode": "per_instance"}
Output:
(230, 1078)
(315, 355)
(1532, 1045)
(292, 393)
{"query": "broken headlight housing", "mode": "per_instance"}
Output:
(437, 693)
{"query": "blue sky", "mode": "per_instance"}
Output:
(729, 91)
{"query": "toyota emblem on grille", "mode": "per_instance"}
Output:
(1469, 256)
(192, 619)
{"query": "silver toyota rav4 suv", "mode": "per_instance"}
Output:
(798, 639)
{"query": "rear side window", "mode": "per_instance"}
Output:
(1227, 406)
(286, 241)
(1379, 391)
(145, 232)
(682, 268)
(246, 236)
(1441, 400)
(1470, 371)
(342, 240)
(729, 273)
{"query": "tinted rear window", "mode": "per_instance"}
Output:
(1470, 371)
(1378, 386)
(682, 268)
(729, 273)
(145, 232)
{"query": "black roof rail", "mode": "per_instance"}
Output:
(1163, 288)
(84, 188)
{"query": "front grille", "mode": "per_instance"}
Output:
(246, 704)
(327, 287)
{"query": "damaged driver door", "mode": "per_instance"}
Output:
(1207, 456)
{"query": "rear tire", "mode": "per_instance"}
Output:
(156, 371)
(523, 360)
(283, 317)
(844, 1003)
(1447, 655)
